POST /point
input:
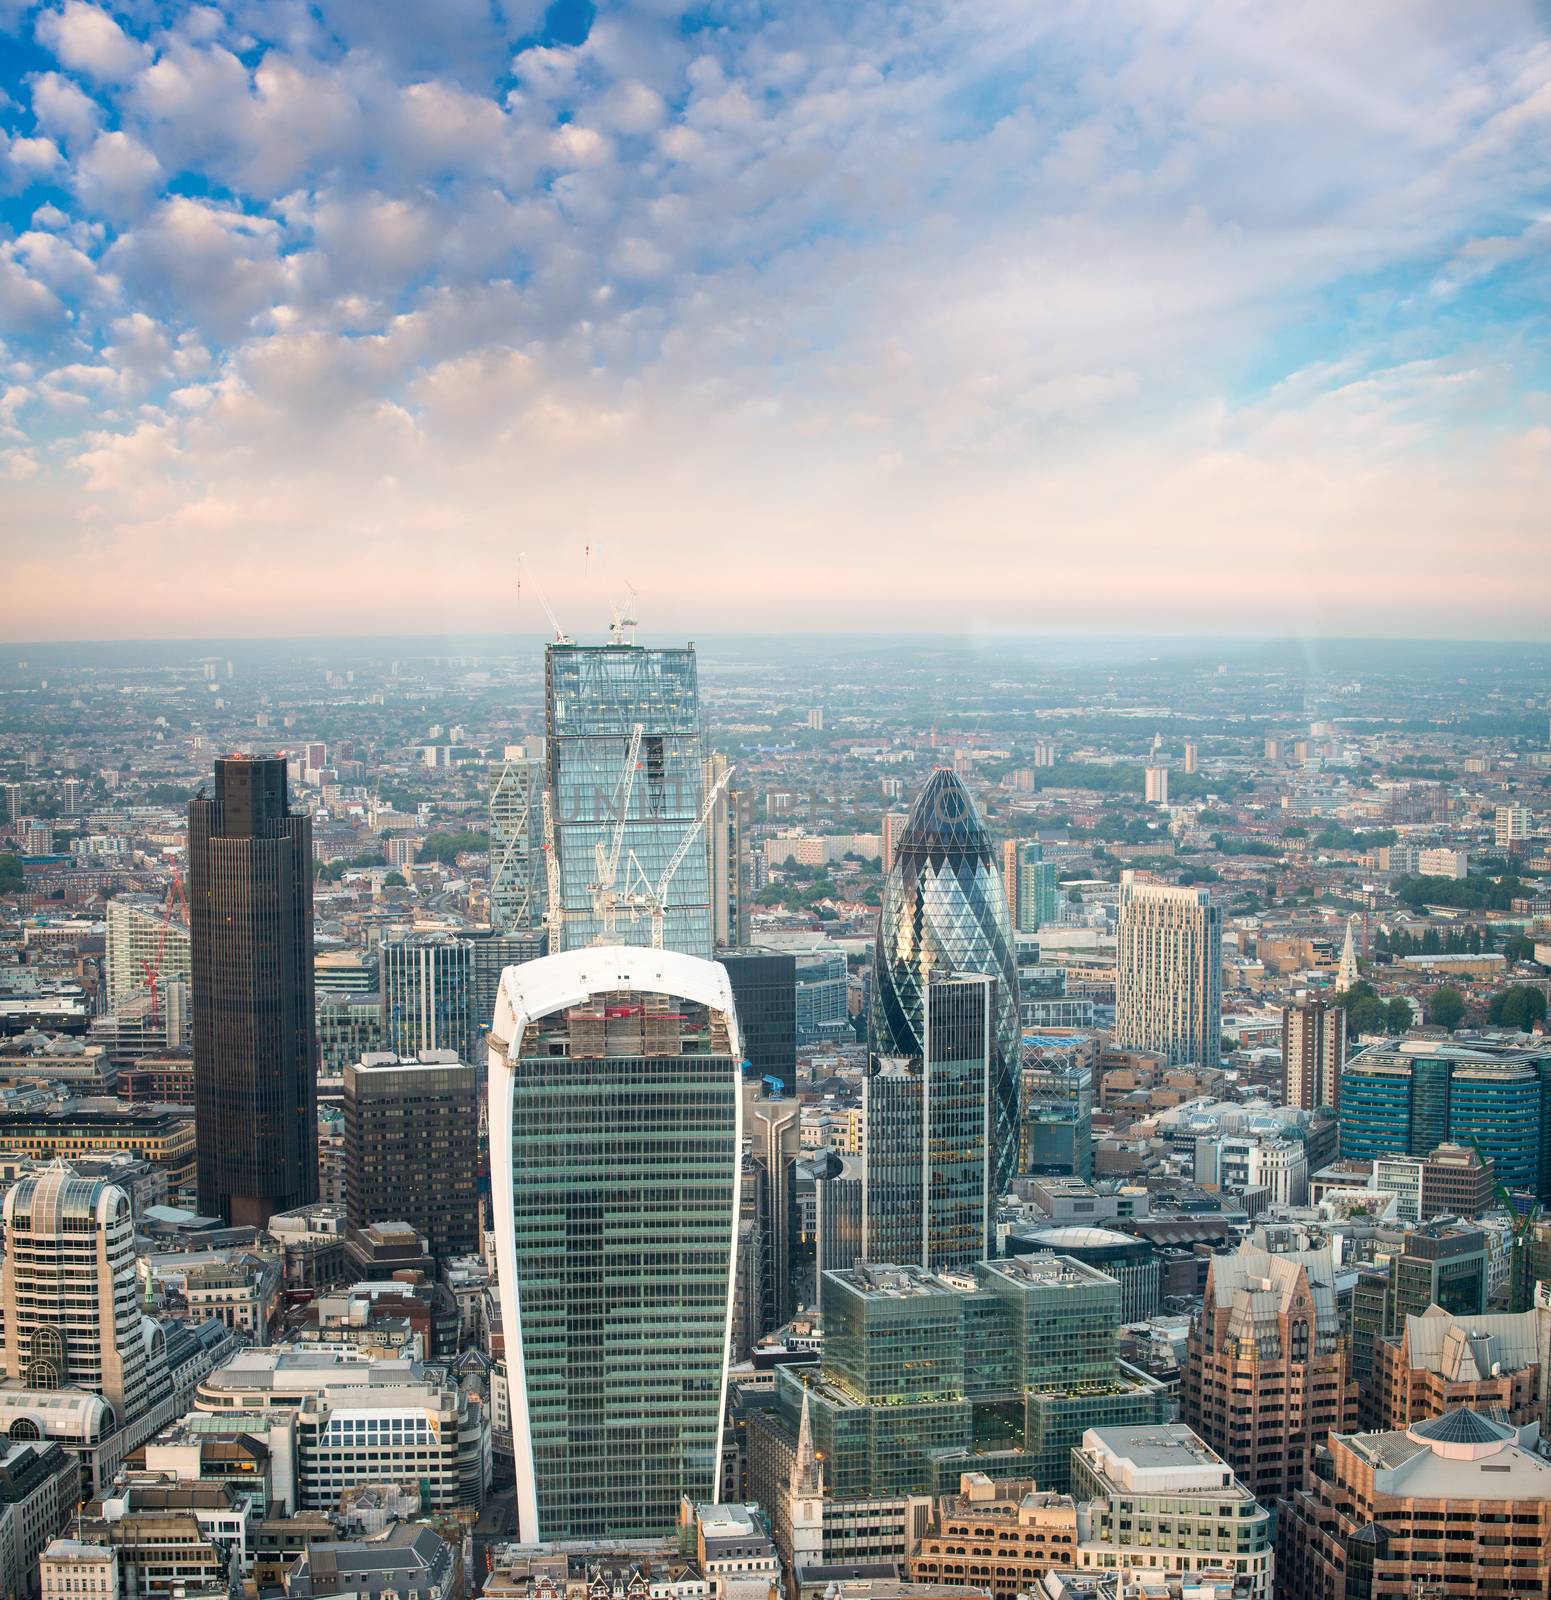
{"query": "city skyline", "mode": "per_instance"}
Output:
(1145, 317)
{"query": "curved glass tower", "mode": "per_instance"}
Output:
(945, 913)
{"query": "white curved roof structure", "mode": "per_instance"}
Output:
(538, 988)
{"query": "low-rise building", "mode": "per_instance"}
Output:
(406, 1559)
(1160, 1499)
(997, 1535)
(40, 1485)
(71, 1569)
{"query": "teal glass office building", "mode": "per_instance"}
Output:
(615, 1135)
(594, 696)
(1409, 1101)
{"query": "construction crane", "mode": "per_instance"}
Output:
(554, 911)
(622, 628)
(153, 968)
(1521, 1223)
(605, 902)
(653, 898)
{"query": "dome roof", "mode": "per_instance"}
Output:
(1079, 1236)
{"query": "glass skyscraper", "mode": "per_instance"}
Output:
(926, 1197)
(945, 912)
(594, 695)
(615, 1137)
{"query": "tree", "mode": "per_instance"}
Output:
(1446, 1007)
(1520, 1005)
(395, 880)
(11, 876)
(1398, 1015)
(1518, 947)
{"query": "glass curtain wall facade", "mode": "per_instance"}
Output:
(926, 1195)
(593, 698)
(945, 911)
(427, 999)
(1395, 1102)
(615, 1135)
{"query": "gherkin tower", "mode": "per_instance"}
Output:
(945, 912)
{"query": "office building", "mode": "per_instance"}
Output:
(1168, 972)
(926, 1193)
(250, 921)
(40, 1486)
(1158, 1499)
(771, 1129)
(491, 952)
(1131, 1262)
(1452, 1181)
(944, 912)
(426, 983)
(1055, 1122)
(72, 1570)
(594, 697)
(1264, 1378)
(1313, 1053)
(615, 1076)
(1457, 1507)
(412, 1147)
(820, 1007)
(1192, 756)
(764, 993)
(920, 1371)
(358, 1420)
(1410, 1098)
(1156, 780)
(69, 1291)
(516, 845)
(837, 1212)
(144, 940)
(1439, 1361)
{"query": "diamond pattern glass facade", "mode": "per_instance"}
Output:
(594, 696)
(945, 911)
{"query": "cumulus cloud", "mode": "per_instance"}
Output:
(87, 39)
(1186, 295)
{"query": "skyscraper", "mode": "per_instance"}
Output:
(944, 912)
(764, 989)
(926, 1186)
(594, 696)
(1313, 1053)
(516, 846)
(250, 925)
(68, 1290)
(412, 1146)
(616, 1141)
(1168, 972)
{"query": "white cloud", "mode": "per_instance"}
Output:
(116, 175)
(86, 39)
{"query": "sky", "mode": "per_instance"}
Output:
(1042, 316)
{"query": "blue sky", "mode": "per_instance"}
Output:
(1174, 314)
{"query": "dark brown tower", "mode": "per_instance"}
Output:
(250, 917)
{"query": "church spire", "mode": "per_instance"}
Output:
(1346, 976)
(807, 1469)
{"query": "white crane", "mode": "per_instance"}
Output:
(605, 902)
(653, 898)
(622, 628)
(554, 912)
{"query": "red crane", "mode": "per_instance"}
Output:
(153, 969)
